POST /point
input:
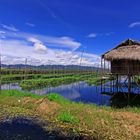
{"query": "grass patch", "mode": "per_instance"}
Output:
(68, 118)
(58, 98)
(16, 93)
(104, 123)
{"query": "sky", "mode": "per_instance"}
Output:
(65, 32)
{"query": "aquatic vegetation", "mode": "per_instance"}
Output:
(137, 78)
(30, 84)
(97, 80)
(94, 81)
(17, 77)
(52, 82)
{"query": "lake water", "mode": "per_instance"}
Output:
(21, 128)
(82, 92)
(79, 92)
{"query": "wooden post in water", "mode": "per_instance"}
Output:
(0, 63)
(101, 73)
(104, 73)
(104, 67)
(0, 72)
(117, 82)
(0, 66)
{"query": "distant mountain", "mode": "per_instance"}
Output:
(68, 67)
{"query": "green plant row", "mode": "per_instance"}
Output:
(17, 77)
(52, 82)
(22, 71)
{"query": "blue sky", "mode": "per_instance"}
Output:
(57, 31)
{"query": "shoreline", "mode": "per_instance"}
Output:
(70, 118)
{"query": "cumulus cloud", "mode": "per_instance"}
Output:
(16, 51)
(38, 45)
(9, 27)
(134, 24)
(60, 50)
(8, 59)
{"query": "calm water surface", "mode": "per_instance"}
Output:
(79, 92)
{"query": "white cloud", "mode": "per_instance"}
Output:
(34, 40)
(2, 36)
(30, 24)
(2, 32)
(16, 51)
(63, 42)
(94, 35)
(39, 47)
(134, 24)
(52, 41)
(7, 59)
(48, 9)
(108, 34)
(16, 47)
(9, 27)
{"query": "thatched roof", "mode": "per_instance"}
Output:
(129, 50)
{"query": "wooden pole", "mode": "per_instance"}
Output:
(81, 60)
(109, 67)
(25, 71)
(0, 71)
(129, 87)
(101, 73)
(104, 67)
(117, 82)
(0, 66)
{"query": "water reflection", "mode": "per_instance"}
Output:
(11, 86)
(120, 100)
(79, 92)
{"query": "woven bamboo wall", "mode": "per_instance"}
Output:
(125, 67)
